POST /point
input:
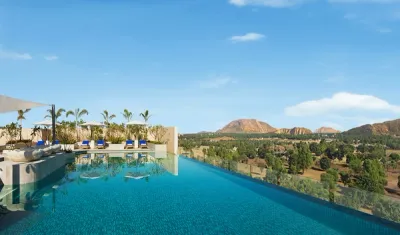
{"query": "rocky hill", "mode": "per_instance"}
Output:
(384, 128)
(255, 126)
(247, 126)
(294, 131)
(326, 130)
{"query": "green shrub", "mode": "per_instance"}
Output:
(387, 209)
(116, 139)
(394, 157)
(356, 165)
(156, 142)
(345, 177)
(325, 163)
(352, 198)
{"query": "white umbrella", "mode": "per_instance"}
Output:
(92, 123)
(45, 123)
(135, 122)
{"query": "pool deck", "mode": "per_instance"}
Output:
(112, 150)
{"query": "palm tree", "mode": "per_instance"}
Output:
(77, 114)
(145, 115)
(107, 117)
(58, 113)
(21, 116)
(127, 115)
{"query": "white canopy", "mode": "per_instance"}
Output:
(92, 123)
(8, 104)
(45, 123)
(135, 122)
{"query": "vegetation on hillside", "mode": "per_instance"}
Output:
(359, 183)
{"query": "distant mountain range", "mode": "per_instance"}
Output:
(256, 126)
(384, 128)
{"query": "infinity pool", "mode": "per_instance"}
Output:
(143, 194)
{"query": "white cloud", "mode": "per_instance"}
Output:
(51, 57)
(267, 3)
(340, 102)
(247, 37)
(217, 82)
(11, 55)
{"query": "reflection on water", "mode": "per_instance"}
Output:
(19, 201)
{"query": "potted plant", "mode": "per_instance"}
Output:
(160, 143)
(11, 132)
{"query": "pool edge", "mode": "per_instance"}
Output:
(338, 207)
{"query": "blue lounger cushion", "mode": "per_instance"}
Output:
(40, 143)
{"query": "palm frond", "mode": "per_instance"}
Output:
(83, 112)
(70, 112)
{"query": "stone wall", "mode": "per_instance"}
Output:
(26, 134)
(171, 138)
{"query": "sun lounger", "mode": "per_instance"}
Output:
(86, 156)
(143, 144)
(129, 144)
(40, 143)
(85, 145)
(100, 144)
(129, 155)
(142, 155)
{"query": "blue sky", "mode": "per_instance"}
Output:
(199, 64)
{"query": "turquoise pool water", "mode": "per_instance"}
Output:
(142, 195)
